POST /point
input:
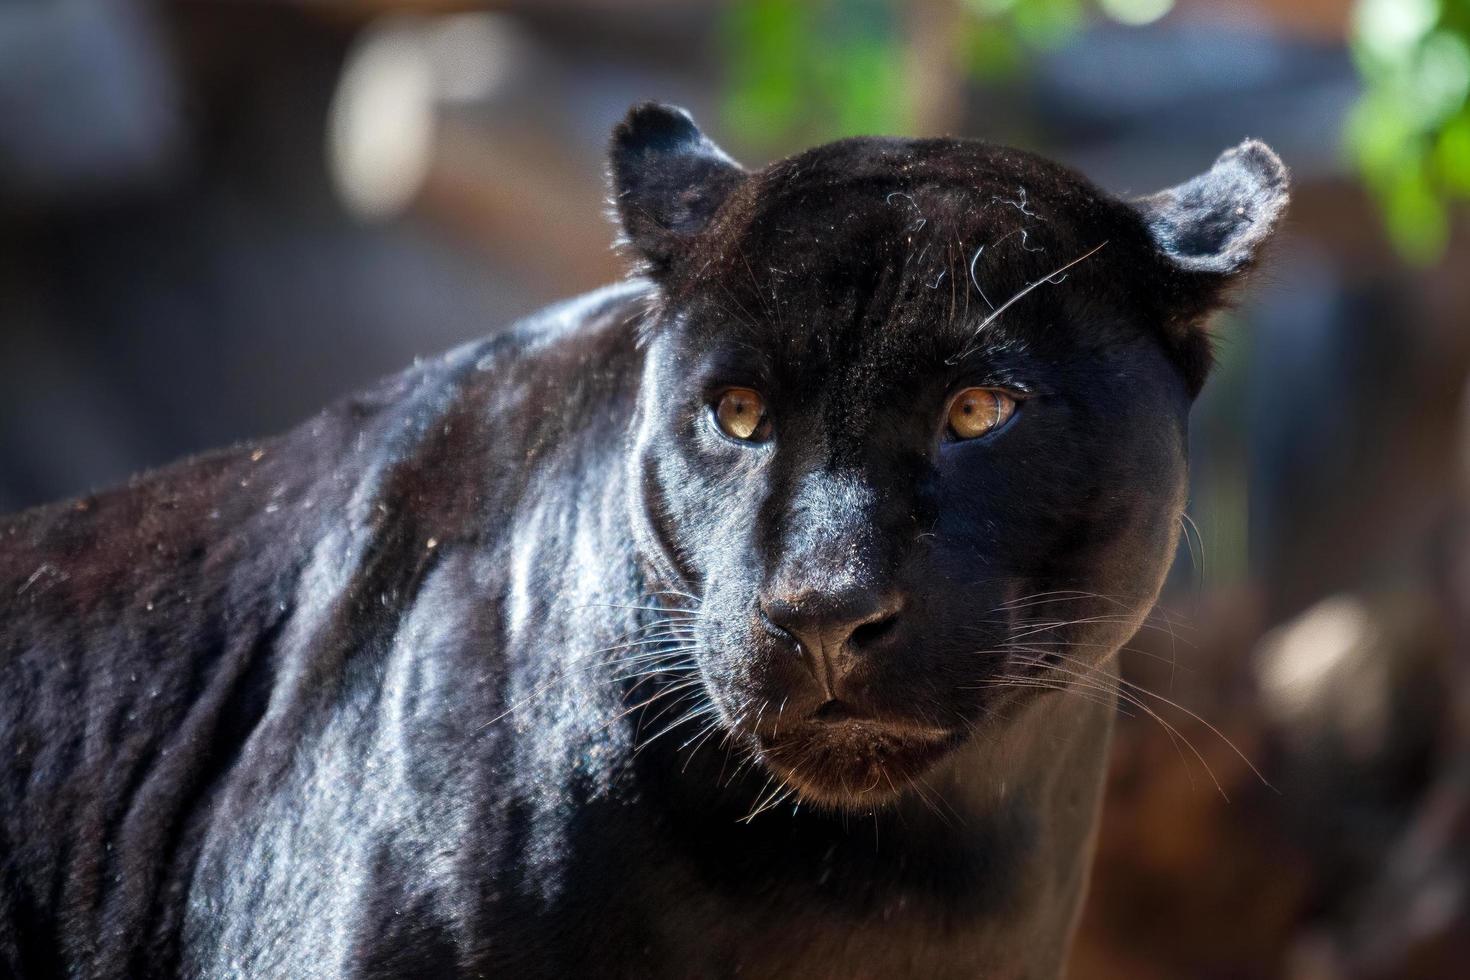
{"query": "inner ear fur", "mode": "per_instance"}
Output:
(1217, 222)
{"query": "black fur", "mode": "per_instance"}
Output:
(421, 688)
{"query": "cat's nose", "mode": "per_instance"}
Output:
(833, 629)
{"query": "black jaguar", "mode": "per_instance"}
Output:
(754, 617)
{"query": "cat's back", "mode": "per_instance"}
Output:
(147, 631)
(482, 416)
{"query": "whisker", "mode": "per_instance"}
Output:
(1098, 684)
(1021, 294)
(1022, 681)
(1140, 689)
(684, 718)
(1082, 644)
(1063, 595)
(666, 610)
(1188, 524)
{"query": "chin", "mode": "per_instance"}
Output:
(853, 765)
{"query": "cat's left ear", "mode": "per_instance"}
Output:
(1210, 231)
(668, 180)
(1217, 222)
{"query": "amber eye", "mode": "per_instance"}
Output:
(741, 413)
(976, 411)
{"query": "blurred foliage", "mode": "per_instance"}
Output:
(1410, 133)
(816, 71)
(811, 71)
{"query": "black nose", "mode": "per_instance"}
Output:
(834, 630)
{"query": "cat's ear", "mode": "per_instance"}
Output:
(668, 180)
(1217, 222)
(1210, 231)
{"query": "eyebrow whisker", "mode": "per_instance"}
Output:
(976, 281)
(1050, 277)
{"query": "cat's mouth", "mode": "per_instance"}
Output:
(847, 763)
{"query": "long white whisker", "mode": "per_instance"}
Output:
(1024, 291)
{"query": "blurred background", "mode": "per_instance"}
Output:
(216, 217)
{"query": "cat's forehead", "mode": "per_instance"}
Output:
(856, 185)
(912, 243)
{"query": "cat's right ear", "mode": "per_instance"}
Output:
(668, 180)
